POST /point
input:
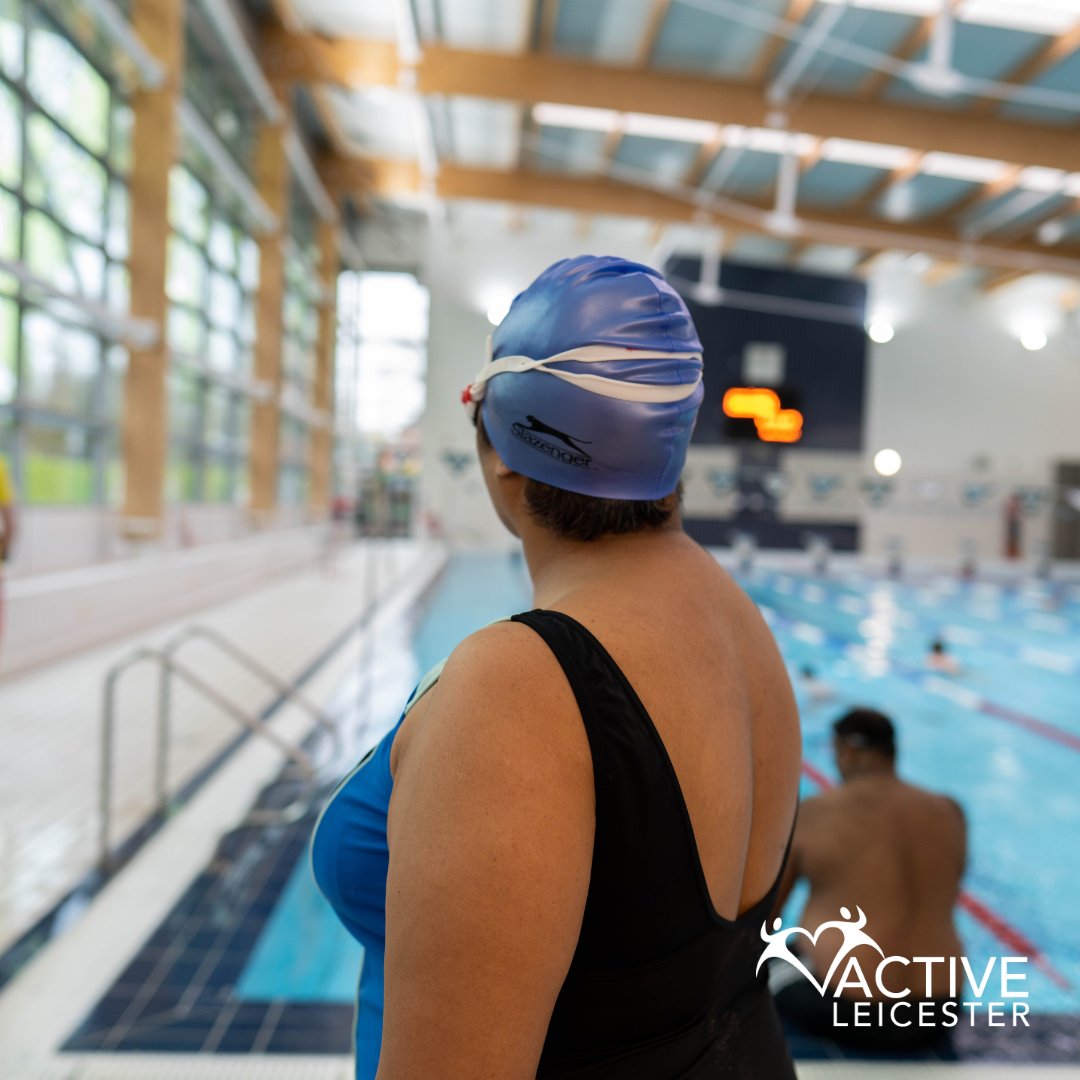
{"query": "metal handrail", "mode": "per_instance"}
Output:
(283, 688)
(169, 667)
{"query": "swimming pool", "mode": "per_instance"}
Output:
(1004, 739)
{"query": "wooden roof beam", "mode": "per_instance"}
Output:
(979, 194)
(654, 24)
(996, 280)
(862, 203)
(532, 78)
(605, 196)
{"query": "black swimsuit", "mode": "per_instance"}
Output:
(660, 987)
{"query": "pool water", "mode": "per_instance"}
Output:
(1003, 739)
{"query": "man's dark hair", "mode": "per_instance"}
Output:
(867, 729)
(588, 517)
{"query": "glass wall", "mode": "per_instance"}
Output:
(213, 274)
(303, 294)
(380, 393)
(64, 155)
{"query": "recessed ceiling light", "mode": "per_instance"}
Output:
(887, 462)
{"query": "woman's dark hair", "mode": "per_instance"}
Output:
(588, 517)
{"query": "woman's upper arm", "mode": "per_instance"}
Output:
(490, 834)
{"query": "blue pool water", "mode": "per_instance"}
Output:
(1003, 739)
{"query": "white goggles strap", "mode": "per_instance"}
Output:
(622, 389)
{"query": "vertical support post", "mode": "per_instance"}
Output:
(272, 181)
(159, 24)
(322, 394)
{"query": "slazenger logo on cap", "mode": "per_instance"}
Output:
(534, 435)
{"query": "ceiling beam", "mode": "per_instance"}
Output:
(609, 151)
(654, 23)
(599, 195)
(549, 18)
(1040, 60)
(980, 194)
(324, 109)
(997, 280)
(942, 271)
(774, 43)
(910, 47)
(532, 78)
(528, 26)
(706, 155)
(862, 203)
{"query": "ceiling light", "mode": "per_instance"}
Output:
(1037, 16)
(887, 462)
(768, 140)
(881, 332)
(1039, 178)
(1051, 232)
(1033, 340)
(963, 167)
(873, 155)
(548, 114)
(670, 127)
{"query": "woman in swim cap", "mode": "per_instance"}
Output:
(560, 860)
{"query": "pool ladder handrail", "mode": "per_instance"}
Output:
(255, 723)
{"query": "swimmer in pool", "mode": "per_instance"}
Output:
(941, 660)
(560, 858)
(880, 846)
(815, 688)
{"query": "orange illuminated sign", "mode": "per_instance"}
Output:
(762, 405)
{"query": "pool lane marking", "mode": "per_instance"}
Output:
(991, 920)
(1034, 655)
(961, 695)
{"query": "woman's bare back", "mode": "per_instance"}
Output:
(706, 668)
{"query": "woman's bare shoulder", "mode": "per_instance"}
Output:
(500, 691)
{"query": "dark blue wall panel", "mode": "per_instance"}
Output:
(826, 354)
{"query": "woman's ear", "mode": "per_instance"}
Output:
(501, 468)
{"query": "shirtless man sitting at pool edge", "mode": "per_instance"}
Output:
(892, 851)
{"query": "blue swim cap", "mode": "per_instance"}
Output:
(595, 380)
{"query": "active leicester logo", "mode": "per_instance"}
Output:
(1001, 1001)
(551, 441)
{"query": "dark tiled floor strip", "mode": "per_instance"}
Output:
(178, 993)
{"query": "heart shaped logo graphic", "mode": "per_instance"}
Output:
(777, 944)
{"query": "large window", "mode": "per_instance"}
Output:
(390, 340)
(64, 153)
(304, 283)
(213, 273)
